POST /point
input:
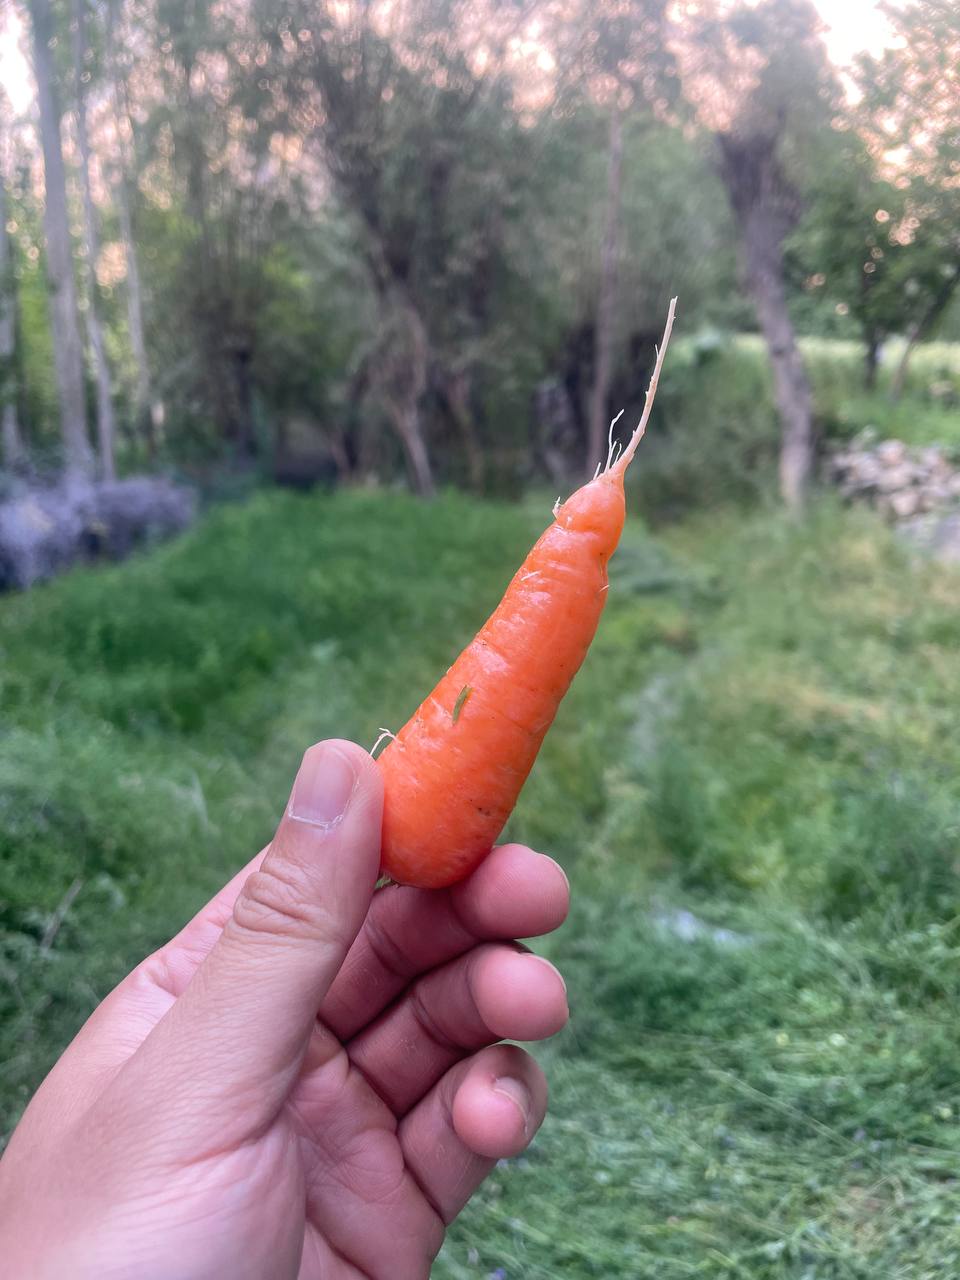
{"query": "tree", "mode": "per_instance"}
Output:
(217, 280)
(847, 248)
(423, 141)
(123, 175)
(880, 249)
(378, 118)
(222, 169)
(607, 299)
(106, 430)
(757, 79)
(614, 53)
(64, 322)
(910, 115)
(11, 446)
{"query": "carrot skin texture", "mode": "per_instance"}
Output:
(453, 773)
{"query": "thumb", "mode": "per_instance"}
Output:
(245, 1019)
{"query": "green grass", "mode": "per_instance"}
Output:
(764, 734)
(782, 1100)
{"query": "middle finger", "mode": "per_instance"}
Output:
(493, 993)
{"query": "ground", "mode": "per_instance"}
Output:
(752, 786)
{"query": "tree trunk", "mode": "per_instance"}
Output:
(920, 328)
(147, 414)
(244, 432)
(67, 348)
(765, 208)
(11, 446)
(406, 422)
(898, 386)
(607, 301)
(871, 363)
(106, 431)
(401, 372)
(456, 391)
(763, 259)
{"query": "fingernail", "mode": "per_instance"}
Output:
(518, 1095)
(323, 788)
(552, 967)
(566, 878)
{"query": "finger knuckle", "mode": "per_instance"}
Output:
(277, 900)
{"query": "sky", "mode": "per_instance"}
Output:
(852, 26)
(14, 71)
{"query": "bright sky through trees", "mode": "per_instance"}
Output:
(852, 26)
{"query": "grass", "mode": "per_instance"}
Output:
(753, 786)
(778, 1097)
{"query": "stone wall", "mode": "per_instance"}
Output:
(917, 489)
(899, 481)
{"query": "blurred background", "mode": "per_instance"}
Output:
(316, 307)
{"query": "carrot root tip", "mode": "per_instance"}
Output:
(612, 445)
(622, 461)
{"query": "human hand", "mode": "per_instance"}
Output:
(208, 1122)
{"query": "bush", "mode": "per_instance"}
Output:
(715, 435)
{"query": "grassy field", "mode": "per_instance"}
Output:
(753, 786)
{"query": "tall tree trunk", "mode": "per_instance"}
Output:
(456, 392)
(106, 430)
(921, 327)
(401, 373)
(899, 383)
(67, 347)
(405, 418)
(147, 414)
(607, 301)
(765, 208)
(763, 259)
(11, 446)
(871, 361)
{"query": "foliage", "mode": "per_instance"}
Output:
(758, 79)
(714, 437)
(910, 116)
(354, 224)
(847, 250)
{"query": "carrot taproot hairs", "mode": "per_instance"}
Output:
(453, 773)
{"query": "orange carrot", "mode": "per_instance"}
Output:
(453, 773)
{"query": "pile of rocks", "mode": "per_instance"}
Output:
(898, 481)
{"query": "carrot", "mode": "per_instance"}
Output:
(453, 773)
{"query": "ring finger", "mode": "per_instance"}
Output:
(484, 1109)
